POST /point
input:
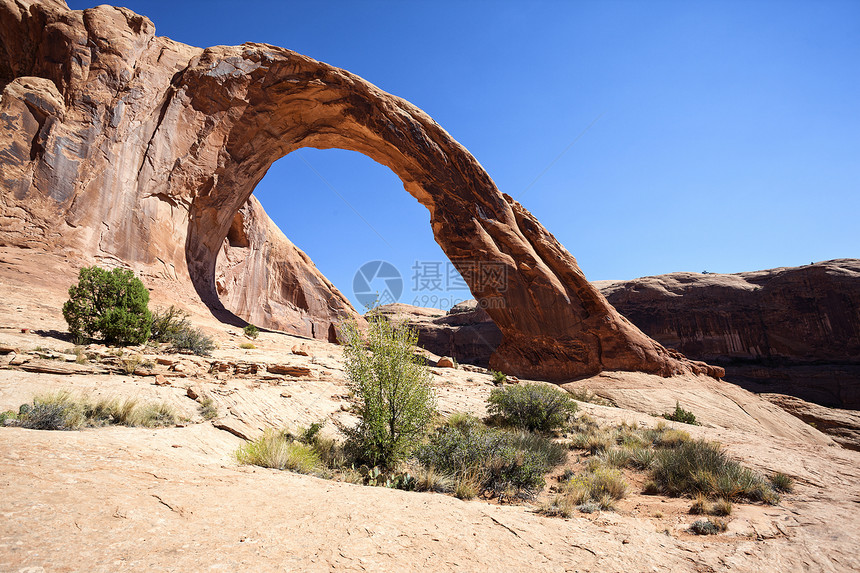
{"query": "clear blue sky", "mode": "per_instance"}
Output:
(725, 136)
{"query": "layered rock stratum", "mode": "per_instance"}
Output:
(119, 145)
(789, 330)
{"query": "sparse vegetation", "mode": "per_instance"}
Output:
(681, 415)
(506, 463)
(208, 409)
(586, 395)
(110, 304)
(251, 331)
(391, 391)
(702, 505)
(247, 346)
(62, 411)
(708, 526)
(781, 482)
(595, 489)
(172, 326)
(701, 467)
(532, 407)
(279, 451)
(130, 363)
(499, 378)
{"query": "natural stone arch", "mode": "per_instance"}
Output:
(555, 324)
(123, 145)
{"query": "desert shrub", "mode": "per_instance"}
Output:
(7, 415)
(499, 377)
(167, 322)
(247, 346)
(193, 340)
(532, 407)
(702, 505)
(391, 391)
(251, 331)
(641, 458)
(208, 409)
(721, 507)
(701, 467)
(602, 486)
(781, 482)
(431, 479)
(171, 325)
(277, 450)
(112, 304)
(130, 363)
(681, 415)
(708, 526)
(616, 457)
(155, 415)
(595, 442)
(62, 411)
(491, 459)
(56, 411)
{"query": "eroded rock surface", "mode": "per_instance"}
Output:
(132, 147)
(787, 330)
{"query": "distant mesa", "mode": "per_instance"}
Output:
(119, 145)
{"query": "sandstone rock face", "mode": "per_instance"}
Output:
(787, 330)
(264, 278)
(466, 332)
(135, 148)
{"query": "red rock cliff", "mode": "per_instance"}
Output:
(120, 143)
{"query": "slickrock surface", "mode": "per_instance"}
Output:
(119, 144)
(174, 499)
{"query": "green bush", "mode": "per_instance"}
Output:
(499, 378)
(172, 326)
(532, 407)
(193, 340)
(782, 482)
(701, 467)
(502, 462)
(112, 304)
(251, 331)
(681, 415)
(166, 323)
(391, 391)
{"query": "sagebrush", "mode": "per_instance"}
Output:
(532, 407)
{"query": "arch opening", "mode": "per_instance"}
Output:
(555, 325)
(344, 212)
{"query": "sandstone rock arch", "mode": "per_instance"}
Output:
(191, 132)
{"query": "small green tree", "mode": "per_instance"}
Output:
(110, 303)
(391, 390)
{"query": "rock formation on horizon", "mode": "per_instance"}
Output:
(123, 146)
(792, 330)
